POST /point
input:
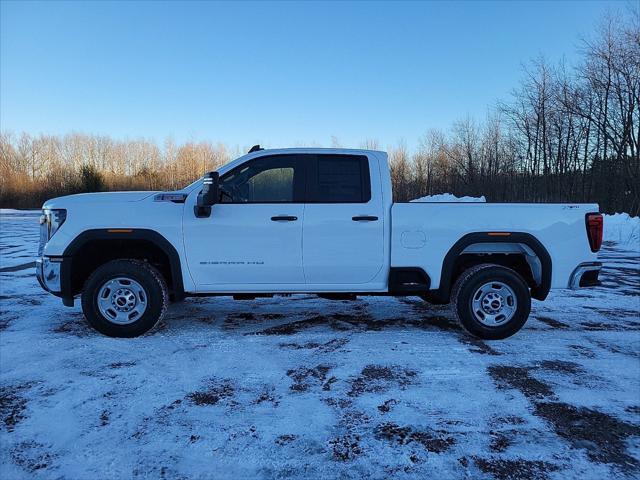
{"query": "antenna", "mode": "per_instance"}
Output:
(255, 148)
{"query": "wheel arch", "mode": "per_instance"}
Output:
(109, 244)
(465, 245)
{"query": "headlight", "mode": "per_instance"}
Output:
(53, 219)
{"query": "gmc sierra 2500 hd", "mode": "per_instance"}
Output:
(309, 220)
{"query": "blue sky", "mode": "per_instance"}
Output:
(279, 74)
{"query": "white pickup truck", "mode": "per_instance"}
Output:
(309, 220)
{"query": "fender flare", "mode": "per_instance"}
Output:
(539, 292)
(120, 233)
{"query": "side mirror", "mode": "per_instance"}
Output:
(209, 195)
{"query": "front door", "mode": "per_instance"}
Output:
(254, 236)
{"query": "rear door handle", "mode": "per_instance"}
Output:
(364, 218)
(284, 218)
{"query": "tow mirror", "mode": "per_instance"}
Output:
(209, 195)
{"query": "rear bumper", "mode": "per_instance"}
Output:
(49, 272)
(585, 275)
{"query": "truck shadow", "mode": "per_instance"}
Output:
(354, 317)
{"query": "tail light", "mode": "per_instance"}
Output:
(594, 230)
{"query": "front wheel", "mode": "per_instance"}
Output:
(124, 298)
(491, 302)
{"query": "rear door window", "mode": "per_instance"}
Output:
(339, 179)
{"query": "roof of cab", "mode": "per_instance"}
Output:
(343, 151)
(284, 151)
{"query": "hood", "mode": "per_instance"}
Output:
(96, 198)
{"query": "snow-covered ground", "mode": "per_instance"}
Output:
(305, 388)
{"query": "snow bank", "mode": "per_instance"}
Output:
(13, 210)
(622, 229)
(9, 210)
(448, 197)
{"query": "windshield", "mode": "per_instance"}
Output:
(192, 184)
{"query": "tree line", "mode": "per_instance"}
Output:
(35, 168)
(566, 134)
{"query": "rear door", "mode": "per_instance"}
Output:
(343, 231)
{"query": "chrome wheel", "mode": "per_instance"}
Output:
(494, 304)
(122, 300)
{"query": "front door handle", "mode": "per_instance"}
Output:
(284, 218)
(364, 218)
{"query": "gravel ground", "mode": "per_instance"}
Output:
(300, 387)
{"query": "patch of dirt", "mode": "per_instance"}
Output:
(173, 405)
(6, 319)
(285, 439)
(477, 345)
(213, 394)
(29, 301)
(553, 323)
(387, 406)
(561, 366)
(500, 441)
(77, 326)
(433, 441)
(159, 328)
(351, 419)
(104, 418)
(515, 469)
(243, 319)
(17, 268)
(339, 403)
(378, 378)
(328, 383)
(611, 347)
(506, 376)
(619, 314)
(304, 378)
(32, 456)
(583, 351)
(13, 405)
(122, 364)
(601, 435)
(360, 321)
(267, 396)
(242, 316)
(601, 326)
(293, 327)
(206, 319)
(330, 346)
(346, 447)
(509, 420)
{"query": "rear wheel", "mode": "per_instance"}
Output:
(491, 302)
(124, 298)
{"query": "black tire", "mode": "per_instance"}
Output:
(156, 298)
(473, 279)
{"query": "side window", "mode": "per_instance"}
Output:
(274, 179)
(341, 179)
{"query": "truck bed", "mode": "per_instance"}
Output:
(423, 233)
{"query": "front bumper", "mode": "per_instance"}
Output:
(49, 272)
(585, 275)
